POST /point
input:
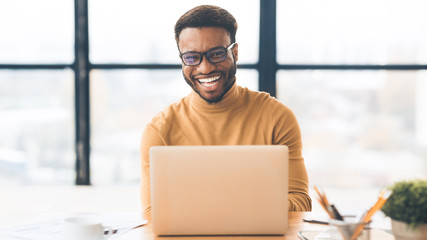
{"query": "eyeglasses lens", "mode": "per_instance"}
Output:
(216, 55)
(191, 58)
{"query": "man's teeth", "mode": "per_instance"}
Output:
(209, 81)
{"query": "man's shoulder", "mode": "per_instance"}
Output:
(260, 98)
(268, 107)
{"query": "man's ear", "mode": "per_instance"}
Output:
(236, 51)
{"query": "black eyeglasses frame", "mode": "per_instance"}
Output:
(205, 54)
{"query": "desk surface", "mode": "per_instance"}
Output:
(295, 221)
(295, 225)
(21, 204)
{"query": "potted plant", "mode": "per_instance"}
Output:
(407, 208)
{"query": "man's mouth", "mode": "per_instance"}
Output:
(209, 82)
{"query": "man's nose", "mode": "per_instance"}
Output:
(205, 67)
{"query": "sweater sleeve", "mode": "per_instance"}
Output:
(287, 132)
(150, 137)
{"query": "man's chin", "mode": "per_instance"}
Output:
(212, 99)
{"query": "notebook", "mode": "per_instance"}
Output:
(219, 190)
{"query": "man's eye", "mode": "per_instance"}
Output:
(216, 54)
(192, 57)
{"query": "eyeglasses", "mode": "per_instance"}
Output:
(214, 55)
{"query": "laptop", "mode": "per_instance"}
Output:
(219, 190)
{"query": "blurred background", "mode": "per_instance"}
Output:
(353, 71)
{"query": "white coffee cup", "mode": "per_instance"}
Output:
(84, 228)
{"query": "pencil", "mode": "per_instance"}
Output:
(323, 200)
(384, 195)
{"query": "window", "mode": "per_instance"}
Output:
(353, 71)
(137, 32)
(361, 124)
(129, 45)
(37, 127)
(36, 105)
(351, 32)
(36, 31)
(365, 128)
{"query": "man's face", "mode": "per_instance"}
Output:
(210, 80)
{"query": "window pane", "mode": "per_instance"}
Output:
(366, 128)
(39, 31)
(37, 127)
(352, 32)
(139, 32)
(122, 103)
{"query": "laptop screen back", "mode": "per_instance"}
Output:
(219, 190)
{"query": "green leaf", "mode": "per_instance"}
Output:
(408, 202)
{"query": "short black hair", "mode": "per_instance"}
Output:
(207, 16)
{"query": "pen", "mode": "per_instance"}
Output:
(324, 202)
(315, 221)
(337, 215)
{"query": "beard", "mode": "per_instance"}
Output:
(228, 83)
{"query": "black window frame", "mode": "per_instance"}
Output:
(267, 67)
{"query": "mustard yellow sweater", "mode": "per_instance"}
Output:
(243, 117)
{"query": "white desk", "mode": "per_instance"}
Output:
(19, 205)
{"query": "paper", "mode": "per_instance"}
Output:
(43, 230)
(49, 227)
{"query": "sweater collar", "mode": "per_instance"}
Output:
(230, 98)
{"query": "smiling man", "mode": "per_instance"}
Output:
(218, 112)
(213, 77)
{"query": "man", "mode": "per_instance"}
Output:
(218, 112)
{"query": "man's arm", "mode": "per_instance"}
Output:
(150, 138)
(298, 197)
(287, 132)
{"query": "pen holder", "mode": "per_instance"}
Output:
(343, 230)
(347, 229)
